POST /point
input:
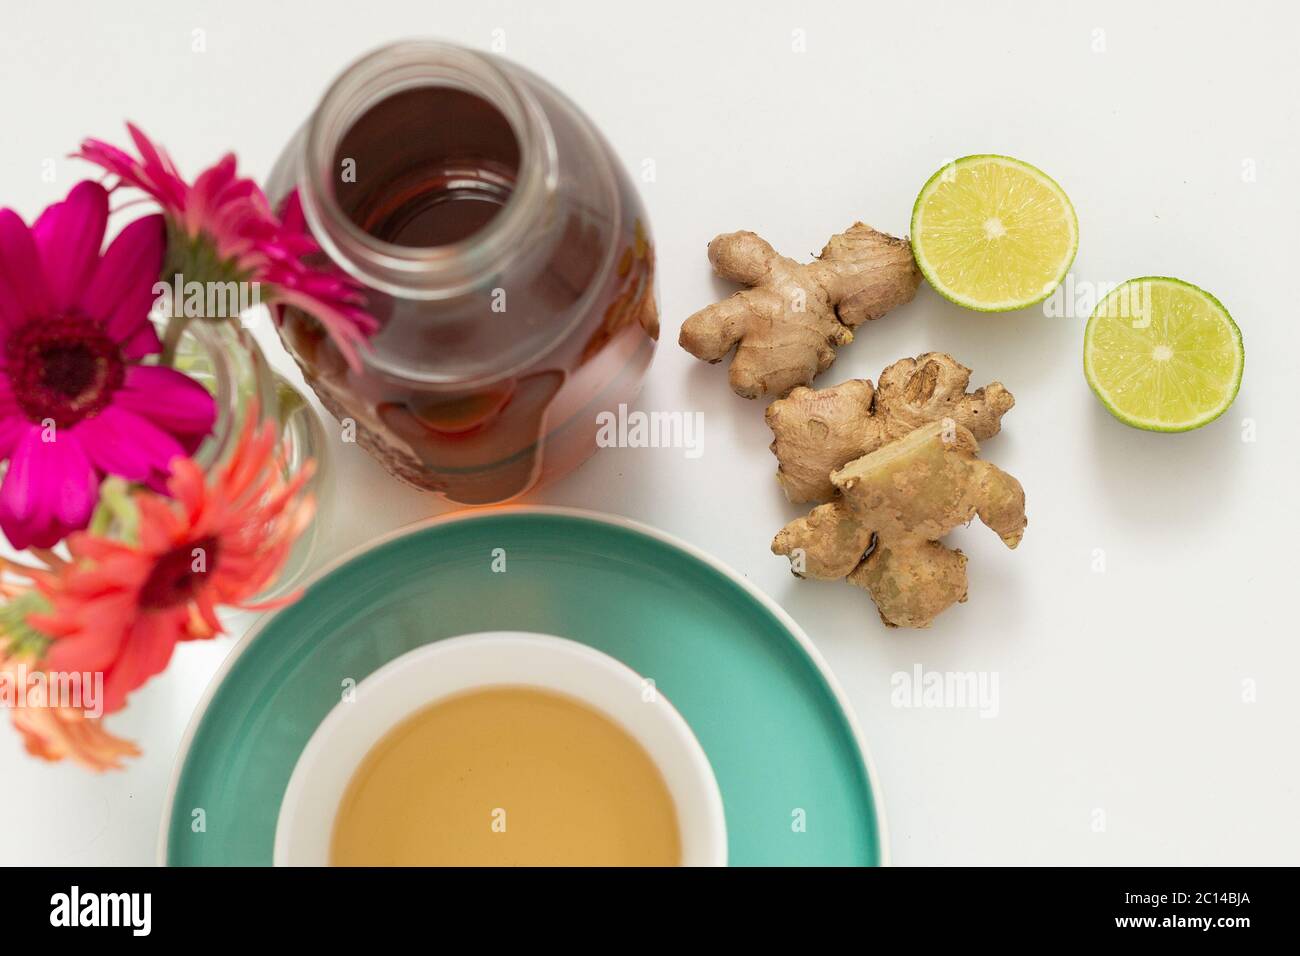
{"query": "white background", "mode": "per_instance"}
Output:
(1121, 692)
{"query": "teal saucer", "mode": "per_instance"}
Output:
(796, 783)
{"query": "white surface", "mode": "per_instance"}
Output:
(1121, 692)
(434, 672)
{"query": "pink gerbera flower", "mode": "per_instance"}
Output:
(74, 403)
(224, 224)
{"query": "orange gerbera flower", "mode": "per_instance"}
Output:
(58, 733)
(120, 608)
(50, 732)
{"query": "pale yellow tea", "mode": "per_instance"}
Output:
(509, 776)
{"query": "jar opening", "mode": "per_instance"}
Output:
(426, 167)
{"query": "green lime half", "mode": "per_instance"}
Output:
(993, 233)
(1163, 355)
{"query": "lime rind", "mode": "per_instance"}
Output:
(1154, 425)
(974, 304)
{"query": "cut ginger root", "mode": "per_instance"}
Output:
(895, 505)
(817, 431)
(786, 326)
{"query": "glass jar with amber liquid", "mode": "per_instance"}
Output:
(501, 248)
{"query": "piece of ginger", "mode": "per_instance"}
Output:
(897, 503)
(787, 325)
(816, 431)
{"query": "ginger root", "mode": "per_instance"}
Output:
(787, 325)
(897, 503)
(817, 431)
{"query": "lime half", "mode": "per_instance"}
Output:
(1163, 355)
(992, 233)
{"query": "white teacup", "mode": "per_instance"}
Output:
(455, 665)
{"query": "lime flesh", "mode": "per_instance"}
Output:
(1163, 355)
(993, 233)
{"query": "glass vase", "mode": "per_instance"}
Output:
(226, 358)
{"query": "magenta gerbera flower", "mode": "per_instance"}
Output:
(75, 404)
(224, 223)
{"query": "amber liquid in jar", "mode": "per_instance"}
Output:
(489, 387)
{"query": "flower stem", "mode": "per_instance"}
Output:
(176, 326)
(21, 568)
(117, 513)
(49, 557)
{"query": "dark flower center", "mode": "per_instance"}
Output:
(178, 574)
(63, 369)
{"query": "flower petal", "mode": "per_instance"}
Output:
(145, 652)
(121, 293)
(13, 422)
(11, 309)
(20, 266)
(95, 637)
(347, 328)
(121, 442)
(57, 734)
(159, 166)
(171, 400)
(49, 490)
(144, 341)
(68, 235)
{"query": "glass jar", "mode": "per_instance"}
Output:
(225, 358)
(503, 251)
